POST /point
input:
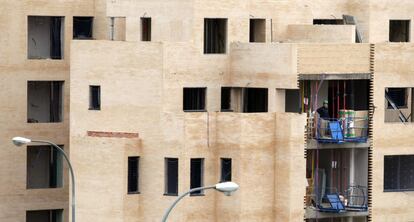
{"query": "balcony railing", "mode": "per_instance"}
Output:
(338, 130)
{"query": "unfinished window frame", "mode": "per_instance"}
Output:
(146, 29)
(54, 166)
(226, 173)
(328, 22)
(247, 105)
(195, 99)
(169, 174)
(55, 38)
(95, 99)
(55, 215)
(392, 95)
(78, 20)
(133, 175)
(197, 175)
(212, 29)
(398, 172)
(55, 103)
(393, 36)
(257, 30)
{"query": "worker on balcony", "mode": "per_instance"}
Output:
(323, 111)
(324, 120)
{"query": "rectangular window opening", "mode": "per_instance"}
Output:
(257, 30)
(82, 27)
(133, 175)
(45, 37)
(194, 99)
(399, 173)
(247, 100)
(225, 170)
(215, 36)
(328, 21)
(292, 101)
(197, 171)
(399, 31)
(255, 100)
(44, 167)
(95, 97)
(171, 176)
(146, 29)
(398, 104)
(44, 101)
(44, 216)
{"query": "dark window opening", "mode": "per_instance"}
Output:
(215, 36)
(146, 29)
(399, 173)
(328, 21)
(44, 216)
(82, 27)
(94, 97)
(255, 100)
(292, 101)
(196, 171)
(45, 37)
(194, 99)
(44, 167)
(257, 30)
(225, 99)
(171, 176)
(133, 175)
(399, 30)
(225, 170)
(399, 97)
(44, 101)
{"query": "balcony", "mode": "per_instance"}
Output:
(347, 129)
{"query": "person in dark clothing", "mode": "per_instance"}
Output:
(323, 111)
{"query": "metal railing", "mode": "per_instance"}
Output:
(338, 130)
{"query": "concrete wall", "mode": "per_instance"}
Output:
(321, 33)
(393, 68)
(154, 111)
(333, 58)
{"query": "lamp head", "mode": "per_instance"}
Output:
(227, 187)
(19, 141)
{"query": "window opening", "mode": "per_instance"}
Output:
(145, 29)
(94, 97)
(82, 27)
(196, 171)
(194, 99)
(44, 167)
(171, 176)
(328, 21)
(255, 100)
(257, 30)
(44, 101)
(225, 170)
(44, 216)
(215, 36)
(133, 175)
(45, 37)
(399, 31)
(399, 173)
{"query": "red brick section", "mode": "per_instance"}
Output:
(112, 134)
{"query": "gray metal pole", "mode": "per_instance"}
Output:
(167, 212)
(70, 170)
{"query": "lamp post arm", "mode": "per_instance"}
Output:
(167, 212)
(71, 173)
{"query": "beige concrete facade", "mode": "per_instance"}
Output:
(142, 96)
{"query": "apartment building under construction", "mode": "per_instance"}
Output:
(153, 97)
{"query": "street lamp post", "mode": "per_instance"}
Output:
(19, 141)
(227, 188)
